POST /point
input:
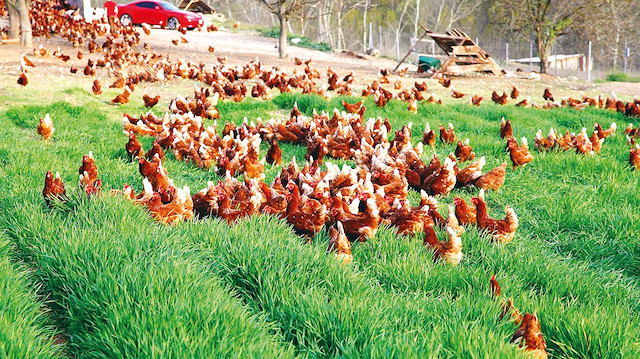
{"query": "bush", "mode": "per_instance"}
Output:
(304, 41)
(622, 77)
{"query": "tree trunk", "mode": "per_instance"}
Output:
(439, 17)
(616, 48)
(26, 39)
(341, 42)
(399, 28)
(543, 50)
(616, 23)
(327, 23)
(282, 43)
(320, 29)
(364, 26)
(417, 19)
(14, 21)
(397, 45)
(327, 27)
(289, 26)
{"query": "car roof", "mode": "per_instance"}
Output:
(139, 1)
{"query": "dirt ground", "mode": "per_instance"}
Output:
(242, 47)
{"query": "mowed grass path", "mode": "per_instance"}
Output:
(121, 284)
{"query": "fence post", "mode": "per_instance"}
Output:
(555, 59)
(370, 35)
(530, 56)
(506, 53)
(589, 63)
(626, 55)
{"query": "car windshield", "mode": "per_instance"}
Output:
(168, 6)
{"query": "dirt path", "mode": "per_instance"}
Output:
(241, 47)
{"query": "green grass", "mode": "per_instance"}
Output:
(120, 285)
(25, 330)
(109, 269)
(123, 287)
(328, 309)
(304, 41)
(621, 77)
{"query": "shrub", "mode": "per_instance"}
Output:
(304, 41)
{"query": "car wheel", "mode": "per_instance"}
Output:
(125, 20)
(173, 23)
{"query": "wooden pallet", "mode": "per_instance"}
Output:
(195, 5)
(465, 56)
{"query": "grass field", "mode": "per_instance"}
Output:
(109, 281)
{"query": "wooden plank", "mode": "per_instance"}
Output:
(444, 46)
(445, 66)
(470, 54)
(458, 50)
(456, 32)
(445, 36)
(186, 8)
(497, 70)
(462, 69)
(470, 60)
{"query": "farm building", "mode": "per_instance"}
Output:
(575, 62)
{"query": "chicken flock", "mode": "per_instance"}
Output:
(351, 202)
(129, 66)
(124, 61)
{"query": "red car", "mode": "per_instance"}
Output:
(157, 13)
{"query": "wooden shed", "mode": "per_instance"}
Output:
(465, 56)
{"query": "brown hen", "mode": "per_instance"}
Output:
(501, 230)
(134, 147)
(149, 101)
(505, 128)
(464, 152)
(531, 336)
(493, 179)
(450, 251)
(634, 157)
(520, 156)
(45, 127)
(447, 135)
(274, 154)
(339, 244)
(53, 188)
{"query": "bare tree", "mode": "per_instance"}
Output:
(364, 26)
(545, 19)
(416, 19)
(460, 9)
(284, 10)
(615, 22)
(19, 17)
(399, 26)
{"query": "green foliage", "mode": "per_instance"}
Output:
(123, 285)
(328, 309)
(621, 77)
(24, 328)
(304, 41)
